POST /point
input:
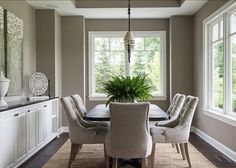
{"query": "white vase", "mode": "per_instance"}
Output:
(4, 84)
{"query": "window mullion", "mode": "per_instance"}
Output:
(227, 68)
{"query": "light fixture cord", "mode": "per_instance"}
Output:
(129, 14)
(129, 47)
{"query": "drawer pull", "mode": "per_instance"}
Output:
(28, 111)
(45, 106)
(16, 114)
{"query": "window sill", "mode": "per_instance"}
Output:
(97, 98)
(221, 117)
(104, 98)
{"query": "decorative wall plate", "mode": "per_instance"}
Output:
(38, 83)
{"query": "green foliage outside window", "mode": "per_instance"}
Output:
(234, 74)
(147, 61)
(110, 58)
(218, 74)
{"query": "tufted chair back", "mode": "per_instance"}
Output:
(129, 135)
(79, 104)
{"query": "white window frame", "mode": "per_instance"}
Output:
(93, 34)
(225, 114)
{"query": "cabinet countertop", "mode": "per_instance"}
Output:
(22, 103)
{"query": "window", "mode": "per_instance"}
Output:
(220, 65)
(107, 57)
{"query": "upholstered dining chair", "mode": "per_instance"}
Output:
(129, 136)
(79, 104)
(174, 111)
(178, 134)
(81, 111)
(79, 132)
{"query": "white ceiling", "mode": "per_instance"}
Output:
(66, 7)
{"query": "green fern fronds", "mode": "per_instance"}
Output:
(128, 89)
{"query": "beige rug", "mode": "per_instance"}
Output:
(92, 156)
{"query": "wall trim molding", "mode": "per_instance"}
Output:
(219, 146)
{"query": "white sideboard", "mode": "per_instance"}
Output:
(25, 129)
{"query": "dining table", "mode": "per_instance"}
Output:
(101, 113)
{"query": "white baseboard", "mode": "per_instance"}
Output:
(219, 146)
(63, 129)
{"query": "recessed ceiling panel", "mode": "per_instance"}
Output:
(123, 3)
(67, 8)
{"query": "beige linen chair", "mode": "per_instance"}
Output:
(81, 111)
(174, 111)
(129, 135)
(178, 134)
(80, 133)
(79, 104)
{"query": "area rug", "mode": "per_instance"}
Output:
(92, 156)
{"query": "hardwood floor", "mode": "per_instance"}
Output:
(212, 154)
(216, 157)
(42, 156)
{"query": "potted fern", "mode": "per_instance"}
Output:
(127, 89)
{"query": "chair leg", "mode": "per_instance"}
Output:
(73, 151)
(153, 154)
(173, 145)
(182, 150)
(150, 161)
(187, 154)
(80, 146)
(114, 162)
(143, 163)
(177, 147)
(107, 159)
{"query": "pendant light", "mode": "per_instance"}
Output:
(129, 37)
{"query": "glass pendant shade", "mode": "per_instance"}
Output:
(129, 40)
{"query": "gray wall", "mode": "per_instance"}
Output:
(27, 13)
(49, 51)
(121, 25)
(73, 65)
(58, 62)
(220, 131)
(181, 55)
(45, 40)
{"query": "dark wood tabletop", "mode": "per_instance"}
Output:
(101, 113)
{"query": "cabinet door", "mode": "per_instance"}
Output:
(48, 121)
(40, 125)
(20, 126)
(32, 129)
(7, 140)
